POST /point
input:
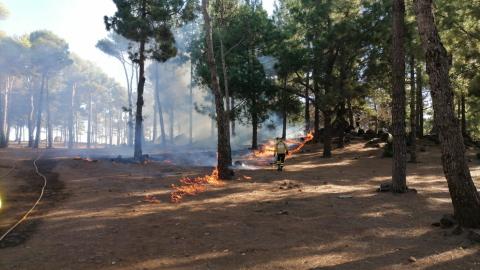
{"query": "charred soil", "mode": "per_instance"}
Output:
(316, 214)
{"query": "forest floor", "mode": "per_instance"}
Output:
(317, 214)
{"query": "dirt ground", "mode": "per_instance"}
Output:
(317, 214)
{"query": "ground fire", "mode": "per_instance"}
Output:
(192, 187)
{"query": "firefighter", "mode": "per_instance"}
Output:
(281, 150)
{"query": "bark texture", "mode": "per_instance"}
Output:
(413, 112)
(465, 198)
(137, 154)
(399, 162)
(224, 157)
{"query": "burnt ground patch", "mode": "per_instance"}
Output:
(27, 194)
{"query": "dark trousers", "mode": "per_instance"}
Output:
(280, 159)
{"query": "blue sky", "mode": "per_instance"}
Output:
(79, 22)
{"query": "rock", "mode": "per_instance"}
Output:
(282, 212)
(447, 221)
(373, 143)
(474, 235)
(436, 224)
(412, 190)
(385, 187)
(412, 259)
(458, 230)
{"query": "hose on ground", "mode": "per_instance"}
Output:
(34, 205)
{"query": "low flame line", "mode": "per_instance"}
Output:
(194, 186)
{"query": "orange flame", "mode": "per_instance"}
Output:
(307, 138)
(268, 149)
(194, 186)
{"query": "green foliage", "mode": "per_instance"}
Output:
(150, 22)
(49, 53)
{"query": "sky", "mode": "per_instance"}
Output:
(79, 22)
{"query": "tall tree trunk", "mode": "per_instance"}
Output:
(71, 116)
(110, 129)
(49, 123)
(224, 156)
(105, 127)
(254, 131)
(190, 109)
(316, 122)
(375, 108)
(5, 135)
(130, 124)
(8, 133)
(464, 194)
(159, 106)
(137, 154)
(284, 109)
(20, 135)
(130, 102)
(307, 103)
(65, 134)
(413, 113)
(399, 166)
(351, 119)
(89, 123)
(171, 122)
(225, 77)
(463, 117)
(327, 134)
(341, 124)
(155, 120)
(39, 114)
(31, 120)
(232, 119)
(2, 114)
(459, 108)
(17, 133)
(316, 92)
(419, 102)
(95, 126)
(77, 131)
(119, 130)
(327, 112)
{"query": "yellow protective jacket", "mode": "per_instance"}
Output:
(281, 148)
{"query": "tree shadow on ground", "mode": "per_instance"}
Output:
(251, 224)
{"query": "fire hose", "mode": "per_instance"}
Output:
(34, 205)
